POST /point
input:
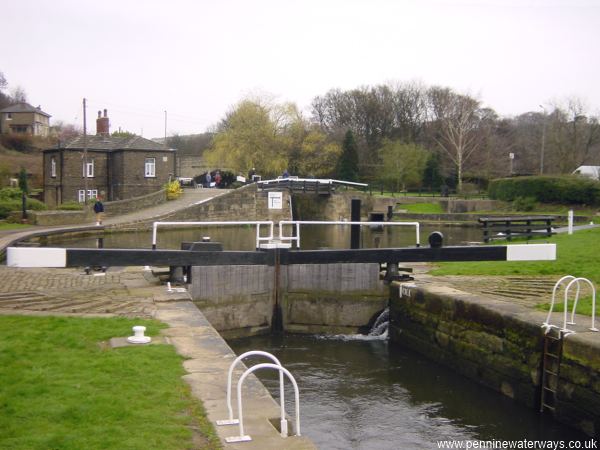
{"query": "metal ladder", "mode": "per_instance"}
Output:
(551, 358)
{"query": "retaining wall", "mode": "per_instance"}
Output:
(313, 298)
(245, 203)
(499, 344)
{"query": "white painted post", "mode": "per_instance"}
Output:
(570, 221)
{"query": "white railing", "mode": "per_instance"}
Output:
(231, 420)
(259, 238)
(320, 181)
(297, 223)
(584, 280)
(571, 281)
(547, 325)
(243, 437)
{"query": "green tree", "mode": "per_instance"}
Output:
(246, 138)
(403, 164)
(317, 156)
(348, 162)
(432, 177)
(23, 181)
(123, 134)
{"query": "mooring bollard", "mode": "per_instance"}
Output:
(139, 337)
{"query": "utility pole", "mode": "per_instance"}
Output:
(85, 160)
(543, 142)
(165, 128)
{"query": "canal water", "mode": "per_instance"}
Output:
(359, 392)
(244, 238)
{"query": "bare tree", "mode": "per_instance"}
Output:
(456, 121)
(573, 136)
(18, 95)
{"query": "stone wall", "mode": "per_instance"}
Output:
(338, 205)
(51, 218)
(134, 204)
(244, 203)
(500, 345)
(240, 300)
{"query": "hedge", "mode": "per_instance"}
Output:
(566, 189)
(7, 206)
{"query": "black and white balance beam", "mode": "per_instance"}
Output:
(78, 257)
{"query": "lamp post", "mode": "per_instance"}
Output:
(543, 142)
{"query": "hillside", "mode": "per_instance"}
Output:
(29, 157)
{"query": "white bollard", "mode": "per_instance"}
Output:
(570, 221)
(139, 337)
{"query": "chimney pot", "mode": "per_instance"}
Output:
(103, 124)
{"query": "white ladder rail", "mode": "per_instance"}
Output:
(547, 325)
(243, 437)
(231, 420)
(593, 288)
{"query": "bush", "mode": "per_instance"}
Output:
(6, 206)
(567, 189)
(524, 204)
(10, 194)
(174, 190)
(70, 206)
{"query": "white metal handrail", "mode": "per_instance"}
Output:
(231, 420)
(577, 280)
(242, 437)
(297, 223)
(258, 223)
(557, 286)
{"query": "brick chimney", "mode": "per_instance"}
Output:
(102, 124)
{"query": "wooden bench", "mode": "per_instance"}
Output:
(516, 226)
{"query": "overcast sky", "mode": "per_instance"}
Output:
(196, 59)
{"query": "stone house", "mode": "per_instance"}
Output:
(23, 118)
(113, 168)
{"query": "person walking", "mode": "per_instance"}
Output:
(99, 210)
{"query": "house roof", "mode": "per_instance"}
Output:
(111, 143)
(24, 108)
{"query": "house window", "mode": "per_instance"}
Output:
(53, 168)
(150, 167)
(92, 194)
(88, 169)
(8, 116)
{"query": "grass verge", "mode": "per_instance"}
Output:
(13, 226)
(423, 208)
(64, 388)
(577, 255)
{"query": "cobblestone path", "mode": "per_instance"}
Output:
(122, 292)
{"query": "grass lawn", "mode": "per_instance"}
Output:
(577, 255)
(12, 226)
(423, 208)
(62, 389)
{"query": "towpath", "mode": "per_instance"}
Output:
(190, 197)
